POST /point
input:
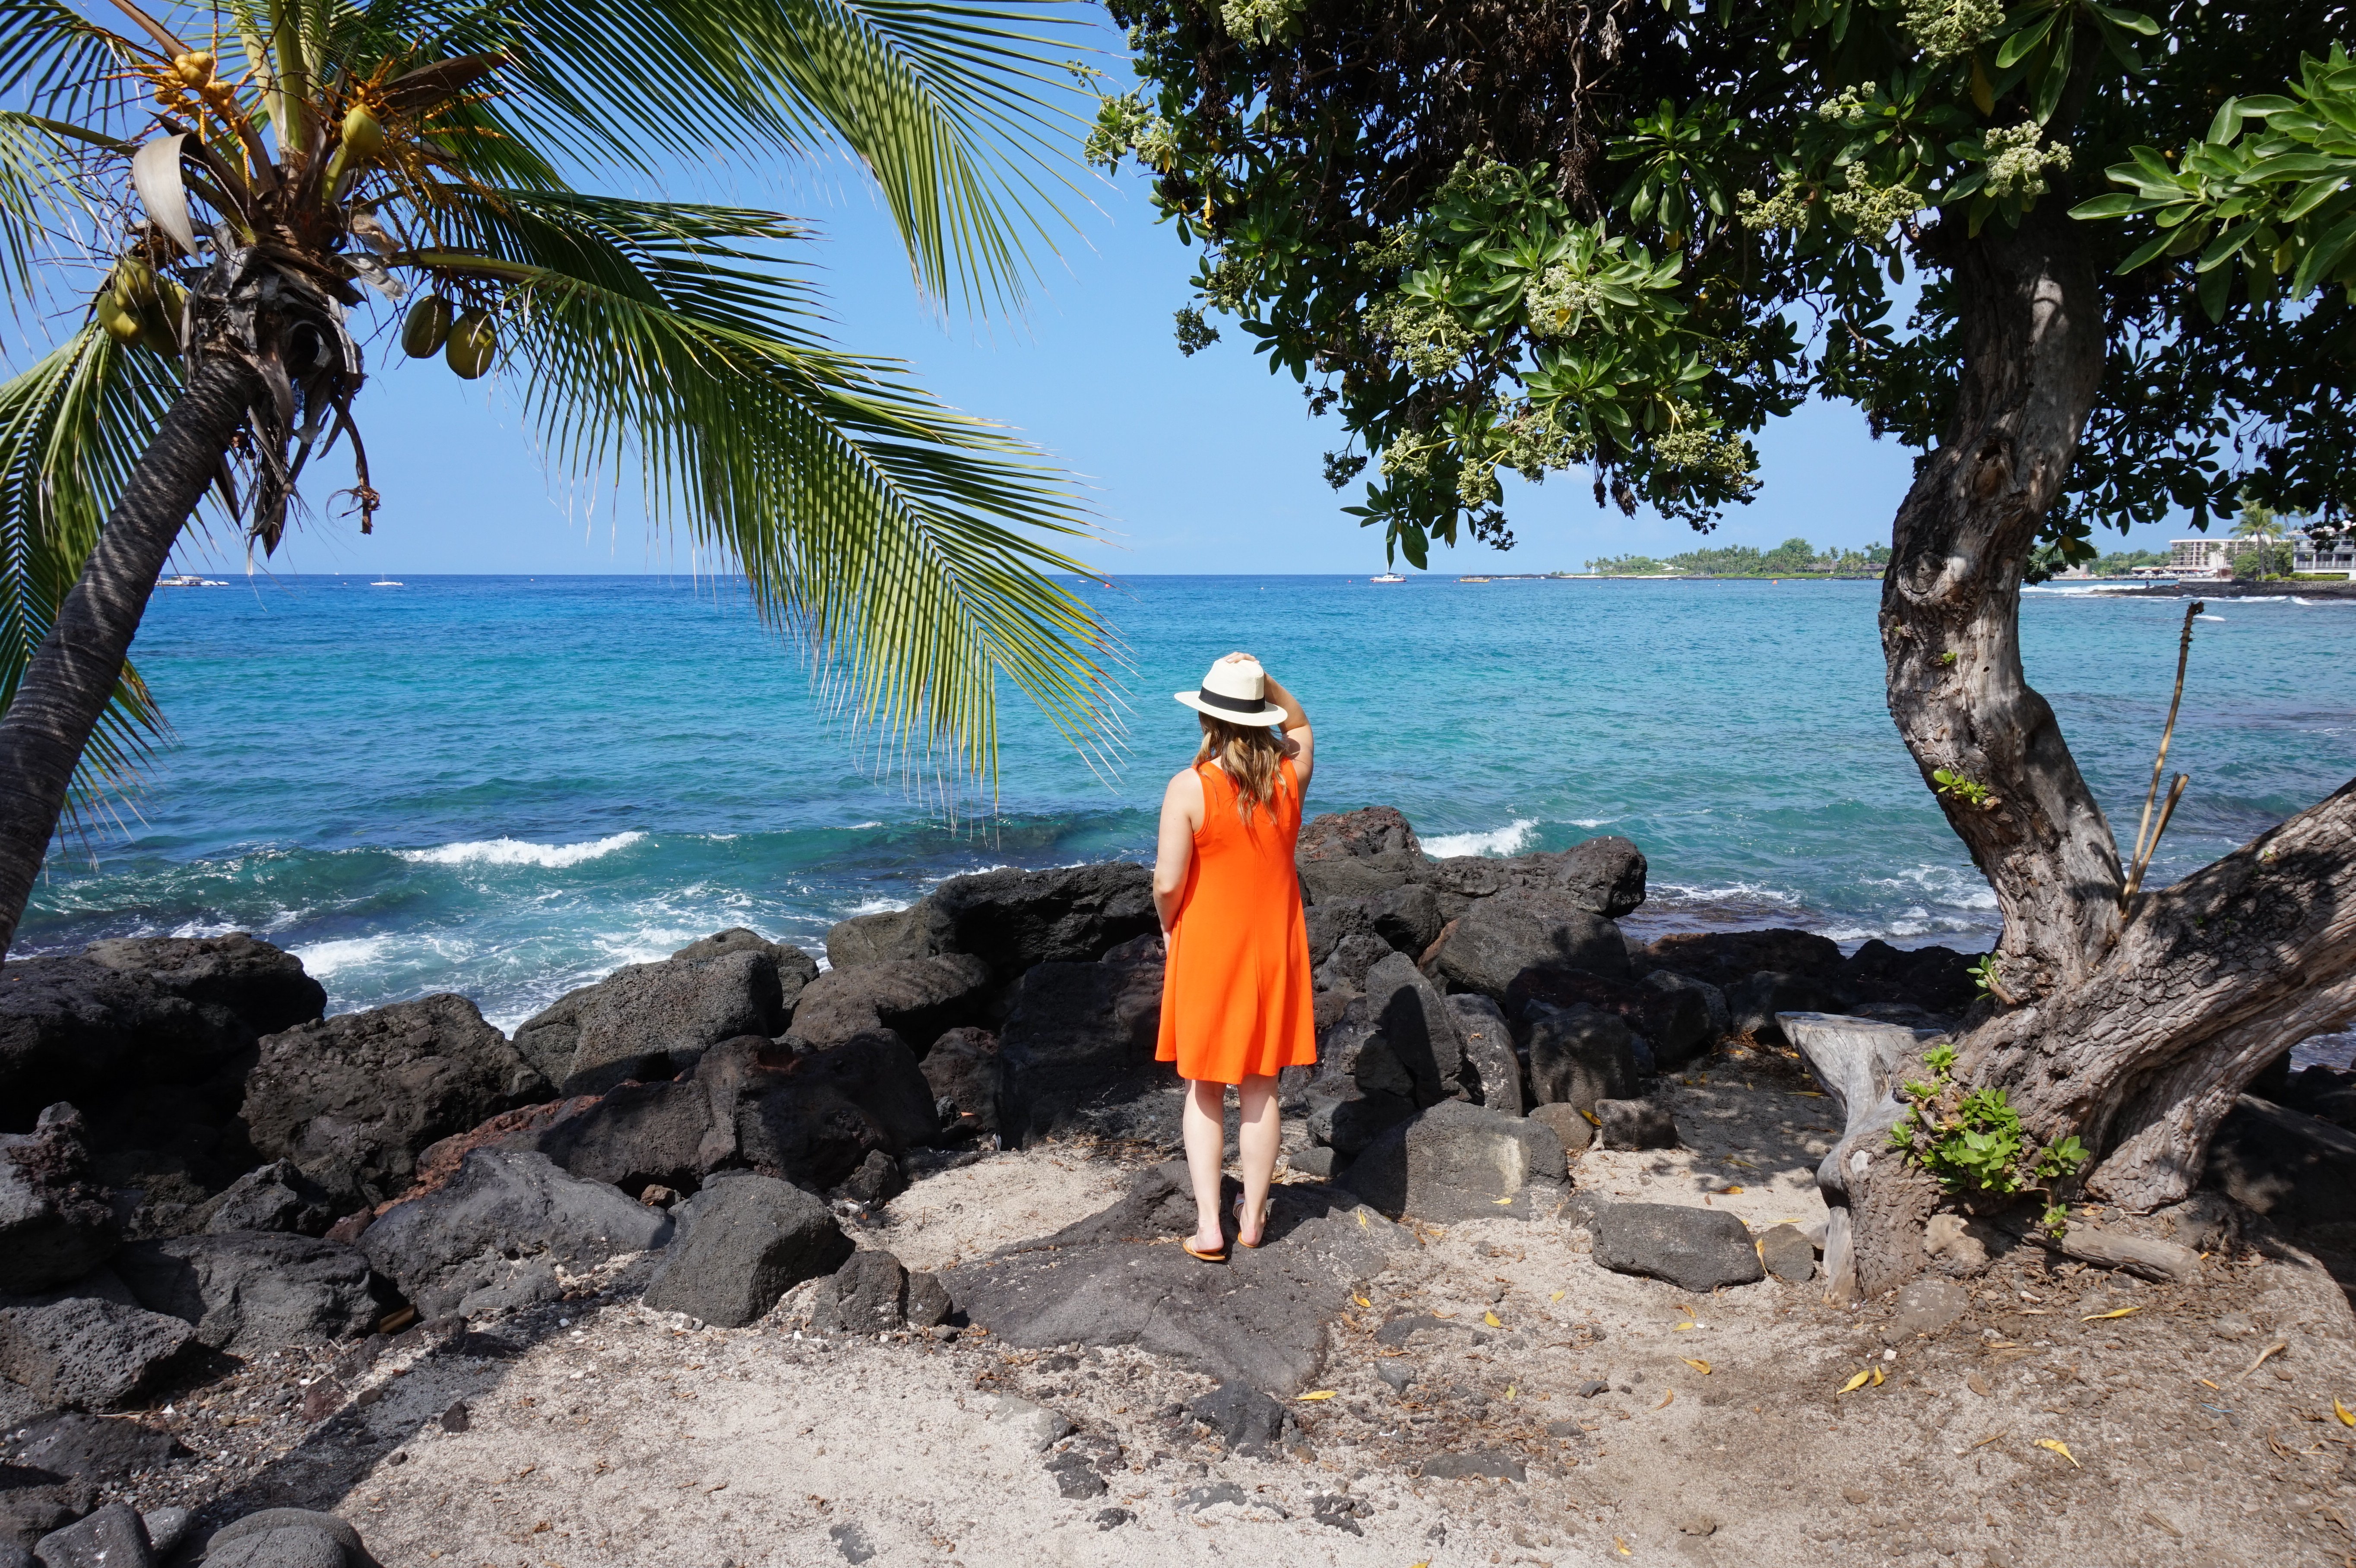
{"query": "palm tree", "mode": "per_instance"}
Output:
(215, 203)
(2258, 523)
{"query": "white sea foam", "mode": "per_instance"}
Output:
(1732, 893)
(1592, 821)
(1942, 885)
(875, 906)
(343, 953)
(2206, 617)
(519, 852)
(1497, 841)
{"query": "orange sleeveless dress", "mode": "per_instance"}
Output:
(1237, 1000)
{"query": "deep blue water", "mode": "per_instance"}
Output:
(506, 786)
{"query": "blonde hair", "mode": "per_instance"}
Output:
(1249, 754)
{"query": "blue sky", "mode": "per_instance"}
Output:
(1207, 464)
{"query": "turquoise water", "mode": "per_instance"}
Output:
(506, 786)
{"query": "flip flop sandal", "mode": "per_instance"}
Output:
(1218, 1257)
(1251, 1246)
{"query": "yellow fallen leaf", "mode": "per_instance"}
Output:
(1730, 1192)
(1362, 1301)
(1502, 1202)
(1320, 1394)
(2058, 1446)
(1558, 1295)
(2204, 1383)
(1667, 1400)
(2346, 1416)
(1616, 1540)
(1857, 1383)
(1681, 1327)
(1878, 1377)
(1510, 1389)
(1362, 1219)
(1701, 1367)
(1490, 1320)
(1593, 1120)
(2122, 1312)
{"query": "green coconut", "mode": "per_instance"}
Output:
(473, 344)
(427, 328)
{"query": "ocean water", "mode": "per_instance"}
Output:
(508, 787)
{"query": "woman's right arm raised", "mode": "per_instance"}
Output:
(1295, 731)
(1182, 816)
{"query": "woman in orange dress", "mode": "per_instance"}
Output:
(1237, 1003)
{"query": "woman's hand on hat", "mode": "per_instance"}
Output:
(1239, 658)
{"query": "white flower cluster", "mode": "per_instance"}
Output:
(1560, 300)
(1260, 21)
(2016, 164)
(1423, 336)
(1947, 28)
(1873, 210)
(1846, 107)
(1702, 452)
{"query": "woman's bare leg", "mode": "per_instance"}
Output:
(1207, 1141)
(1255, 1143)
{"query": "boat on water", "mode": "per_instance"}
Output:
(1388, 577)
(190, 580)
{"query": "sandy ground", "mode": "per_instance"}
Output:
(2073, 1417)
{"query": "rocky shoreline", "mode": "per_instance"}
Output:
(270, 1275)
(2277, 590)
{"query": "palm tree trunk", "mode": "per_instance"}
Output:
(72, 673)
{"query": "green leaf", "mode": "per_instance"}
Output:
(2133, 21)
(2018, 45)
(2215, 290)
(2143, 252)
(2322, 255)
(2225, 246)
(2118, 204)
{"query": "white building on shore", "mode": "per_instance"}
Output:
(2214, 558)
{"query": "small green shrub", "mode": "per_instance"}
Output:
(1956, 786)
(1972, 1141)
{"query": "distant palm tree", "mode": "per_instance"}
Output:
(209, 200)
(2257, 523)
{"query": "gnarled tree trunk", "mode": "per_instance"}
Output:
(2134, 1032)
(2031, 322)
(66, 687)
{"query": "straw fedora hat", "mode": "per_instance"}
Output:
(1236, 691)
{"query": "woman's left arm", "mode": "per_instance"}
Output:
(1303, 740)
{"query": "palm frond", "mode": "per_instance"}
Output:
(56, 61)
(72, 427)
(38, 194)
(900, 539)
(945, 105)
